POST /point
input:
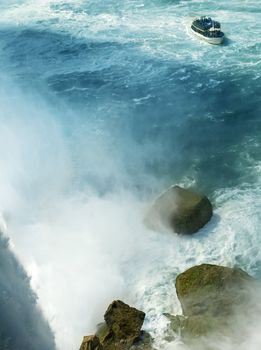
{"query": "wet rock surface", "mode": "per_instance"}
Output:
(212, 290)
(212, 299)
(124, 322)
(182, 210)
(120, 331)
(91, 343)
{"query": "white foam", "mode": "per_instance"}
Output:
(160, 30)
(82, 249)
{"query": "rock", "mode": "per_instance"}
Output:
(91, 342)
(176, 322)
(211, 289)
(143, 342)
(124, 322)
(182, 210)
(212, 297)
(122, 329)
(104, 333)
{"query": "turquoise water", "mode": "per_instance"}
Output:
(104, 105)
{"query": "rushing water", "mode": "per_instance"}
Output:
(103, 105)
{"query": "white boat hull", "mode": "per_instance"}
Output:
(213, 41)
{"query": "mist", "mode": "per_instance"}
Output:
(75, 220)
(103, 106)
(73, 236)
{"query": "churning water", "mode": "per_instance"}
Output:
(103, 105)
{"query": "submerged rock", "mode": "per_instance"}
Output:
(212, 297)
(183, 210)
(120, 331)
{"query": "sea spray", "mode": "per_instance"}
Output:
(105, 105)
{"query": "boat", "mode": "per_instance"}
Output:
(207, 29)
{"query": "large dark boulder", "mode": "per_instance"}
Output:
(212, 290)
(182, 210)
(212, 298)
(120, 331)
(142, 342)
(124, 322)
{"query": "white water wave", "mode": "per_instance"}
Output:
(159, 30)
